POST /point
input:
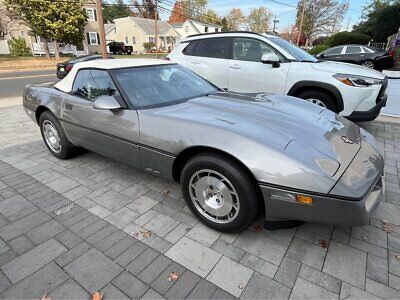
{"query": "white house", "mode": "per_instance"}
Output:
(190, 27)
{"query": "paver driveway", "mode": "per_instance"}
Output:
(48, 245)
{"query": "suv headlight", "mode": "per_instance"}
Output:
(358, 81)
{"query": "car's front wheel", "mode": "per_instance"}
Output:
(319, 98)
(54, 136)
(219, 192)
(369, 64)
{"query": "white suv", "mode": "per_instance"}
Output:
(247, 62)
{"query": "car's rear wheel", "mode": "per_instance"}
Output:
(219, 192)
(54, 136)
(369, 64)
(320, 98)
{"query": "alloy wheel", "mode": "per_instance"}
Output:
(51, 136)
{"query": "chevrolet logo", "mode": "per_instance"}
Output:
(347, 140)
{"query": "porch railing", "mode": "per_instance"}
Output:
(38, 49)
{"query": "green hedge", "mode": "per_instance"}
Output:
(345, 37)
(317, 49)
(18, 47)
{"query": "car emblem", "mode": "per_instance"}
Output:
(347, 140)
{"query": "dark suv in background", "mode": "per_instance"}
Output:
(366, 56)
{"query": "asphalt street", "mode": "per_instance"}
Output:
(13, 83)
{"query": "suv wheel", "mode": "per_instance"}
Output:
(219, 192)
(319, 98)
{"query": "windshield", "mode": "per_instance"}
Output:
(293, 50)
(153, 86)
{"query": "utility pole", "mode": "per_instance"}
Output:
(156, 27)
(275, 20)
(301, 22)
(102, 33)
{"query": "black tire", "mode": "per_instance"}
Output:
(324, 97)
(240, 180)
(368, 64)
(67, 148)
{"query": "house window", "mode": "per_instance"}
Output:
(152, 39)
(91, 13)
(206, 29)
(216, 29)
(22, 33)
(93, 38)
(133, 40)
(126, 40)
(186, 28)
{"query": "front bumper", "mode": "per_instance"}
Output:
(325, 208)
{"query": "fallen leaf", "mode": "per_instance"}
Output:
(387, 226)
(165, 193)
(385, 222)
(97, 296)
(323, 244)
(146, 233)
(257, 228)
(397, 257)
(173, 276)
(135, 234)
(45, 297)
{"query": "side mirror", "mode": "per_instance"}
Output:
(106, 103)
(320, 55)
(271, 59)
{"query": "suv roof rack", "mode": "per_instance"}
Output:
(222, 32)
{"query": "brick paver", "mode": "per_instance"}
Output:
(71, 227)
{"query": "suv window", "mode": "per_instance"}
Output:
(91, 84)
(190, 49)
(214, 48)
(251, 50)
(353, 49)
(334, 51)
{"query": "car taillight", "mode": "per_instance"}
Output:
(166, 58)
(391, 53)
(68, 68)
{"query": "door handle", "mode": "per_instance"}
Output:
(195, 62)
(68, 106)
(235, 66)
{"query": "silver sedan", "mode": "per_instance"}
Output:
(236, 156)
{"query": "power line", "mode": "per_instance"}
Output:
(281, 3)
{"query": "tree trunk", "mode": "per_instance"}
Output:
(56, 52)
(46, 48)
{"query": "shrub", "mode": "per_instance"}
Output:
(18, 47)
(345, 37)
(319, 40)
(149, 46)
(317, 49)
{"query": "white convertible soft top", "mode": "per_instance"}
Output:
(65, 84)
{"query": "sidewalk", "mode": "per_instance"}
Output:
(103, 241)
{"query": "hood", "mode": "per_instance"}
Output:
(345, 68)
(287, 123)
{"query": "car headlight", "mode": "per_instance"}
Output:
(358, 81)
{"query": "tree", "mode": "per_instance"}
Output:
(387, 23)
(117, 10)
(211, 17)
(195, 9)
(147, 9)
(321, 16)
(62, 21)
(259, 19)
(178, 13)
(235, 19)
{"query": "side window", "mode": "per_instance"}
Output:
(353, 49)
(334, 51)
(190, 49)
(91, 84)
(251, 50)
(214, 48)
(368, 50)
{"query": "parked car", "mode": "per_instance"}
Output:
(64, 68)
(251, 62)
(235, 155)
(366, 56)
(119, 48)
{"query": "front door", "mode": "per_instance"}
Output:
(111, 133)
(246, 72)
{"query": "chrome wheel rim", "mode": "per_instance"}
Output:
(368, 64)
(316, 102)
(51, 136)
(214, 196)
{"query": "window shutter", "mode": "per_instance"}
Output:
(95, 14)
(88, 38)
(98, 38)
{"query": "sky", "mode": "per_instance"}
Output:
(285, 14)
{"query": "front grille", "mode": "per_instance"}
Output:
(382, 90)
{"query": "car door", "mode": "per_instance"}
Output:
(353, 54)
(334, 54)
(209, 58)
(246, 72)
(111, 133)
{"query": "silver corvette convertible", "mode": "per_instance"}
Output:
(236, 156)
